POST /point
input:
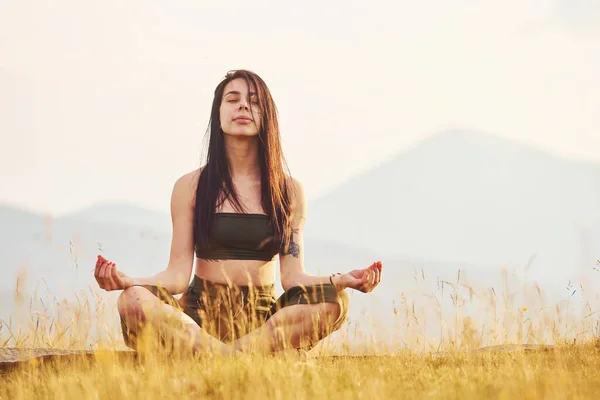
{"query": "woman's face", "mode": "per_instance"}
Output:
(239, 111)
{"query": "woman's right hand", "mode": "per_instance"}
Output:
(108, 277)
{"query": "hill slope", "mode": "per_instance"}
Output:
(465, 197)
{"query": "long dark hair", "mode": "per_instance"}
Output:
(215, 184)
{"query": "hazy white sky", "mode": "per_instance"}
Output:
(110, 100)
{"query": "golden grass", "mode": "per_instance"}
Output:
(569, 372)
(414, 366)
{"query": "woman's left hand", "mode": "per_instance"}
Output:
(363, 280)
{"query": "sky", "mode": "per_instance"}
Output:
(109, 101)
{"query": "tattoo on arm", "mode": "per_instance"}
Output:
(293, 247)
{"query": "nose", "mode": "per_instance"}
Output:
(244, 104)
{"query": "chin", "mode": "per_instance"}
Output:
(241, 134)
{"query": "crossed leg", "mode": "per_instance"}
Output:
(298, 326)
(140, 309)
(294, 326)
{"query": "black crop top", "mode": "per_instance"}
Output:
(238, 236)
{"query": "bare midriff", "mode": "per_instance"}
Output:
(237, 272)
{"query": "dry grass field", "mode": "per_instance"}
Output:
(473, 360)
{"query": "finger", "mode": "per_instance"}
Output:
(97, 267)
(365, 278)
(378, 271)
(103, 269)
(370, 284)
(109, 276)
(116, 278)
(368, 279)
(105, 274)
(100, 274)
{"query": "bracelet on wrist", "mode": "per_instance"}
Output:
(331, 278)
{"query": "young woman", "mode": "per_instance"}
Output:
(237, 213)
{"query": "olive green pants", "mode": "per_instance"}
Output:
(230, 312)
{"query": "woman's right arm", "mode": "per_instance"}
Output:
(175, 278)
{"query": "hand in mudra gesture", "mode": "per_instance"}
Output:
(363, 280)
(108, 277)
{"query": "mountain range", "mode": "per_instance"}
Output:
(467, 197)
(458, 201)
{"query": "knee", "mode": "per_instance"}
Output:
(335, 313)
(341, 314)
(129, 302)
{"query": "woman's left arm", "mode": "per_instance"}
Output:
(291, 261)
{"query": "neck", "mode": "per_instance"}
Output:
(242, 153)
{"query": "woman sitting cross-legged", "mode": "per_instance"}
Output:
(236, 214)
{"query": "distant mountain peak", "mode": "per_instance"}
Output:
(471, 138)
(468, 197)
(472, 141)
(462, 133)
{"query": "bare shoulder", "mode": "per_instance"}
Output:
(297, 196)
(296, 188)
(184, 189)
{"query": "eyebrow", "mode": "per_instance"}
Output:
(238, 93)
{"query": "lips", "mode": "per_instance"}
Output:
(242, 118)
